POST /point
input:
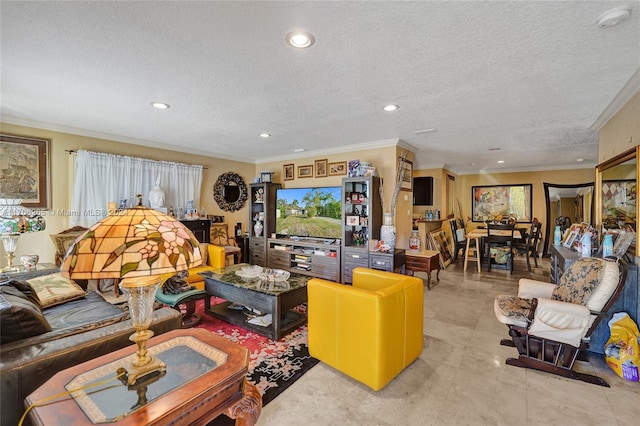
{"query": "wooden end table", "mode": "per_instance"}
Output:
(423, 261)
(205, 377)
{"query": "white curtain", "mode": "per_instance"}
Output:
(101, 178)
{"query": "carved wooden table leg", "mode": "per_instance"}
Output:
(247, 410)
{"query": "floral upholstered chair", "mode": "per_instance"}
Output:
(549, 324)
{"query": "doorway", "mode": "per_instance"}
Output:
(574, 201)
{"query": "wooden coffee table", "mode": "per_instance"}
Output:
(276, 299)
(205, 377)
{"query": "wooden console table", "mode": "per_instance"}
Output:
(205, 377)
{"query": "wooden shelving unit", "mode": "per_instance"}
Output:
(308, 256)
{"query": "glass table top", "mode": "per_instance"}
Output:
(230, 276)
(106, 398)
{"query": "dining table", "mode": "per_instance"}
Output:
(481, 233)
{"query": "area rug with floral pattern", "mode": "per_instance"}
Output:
(273, 365)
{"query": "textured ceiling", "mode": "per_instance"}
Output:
(527, 77)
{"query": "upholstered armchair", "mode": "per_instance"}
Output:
(370, 330)
(220, 237)
(550, 324)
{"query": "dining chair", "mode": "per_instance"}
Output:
(458, 236)
(499, 238)
(530, 246)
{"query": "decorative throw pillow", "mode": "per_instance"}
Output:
(578, 282)
(20, 312)
(516, 307)
(54, 289)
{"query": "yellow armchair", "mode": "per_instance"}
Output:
(213, 259)
(371, 330)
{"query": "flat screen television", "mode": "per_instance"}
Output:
(309, 212)
(423, 191)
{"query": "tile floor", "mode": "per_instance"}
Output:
(460, 378)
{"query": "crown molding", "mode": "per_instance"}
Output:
(110, 137)
(628, 91)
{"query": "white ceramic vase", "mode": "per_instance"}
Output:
(388, 231)
(257, 228)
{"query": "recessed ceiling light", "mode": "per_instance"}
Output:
(298, 150)
(160, 105)
(614, 17)
(264, 135)
(390, 107)
(300, 39)
(580, 160)
(500, 161)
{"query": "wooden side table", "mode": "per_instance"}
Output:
(423, 261)
(205, 377)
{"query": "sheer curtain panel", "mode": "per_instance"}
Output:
(101, 178)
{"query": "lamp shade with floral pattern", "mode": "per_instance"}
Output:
(133, 242)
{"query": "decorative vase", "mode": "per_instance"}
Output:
(258, 228)
(29, 261)
(388, 231)
(414, 241)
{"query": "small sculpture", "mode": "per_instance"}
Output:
(260, 195)
(157, 195)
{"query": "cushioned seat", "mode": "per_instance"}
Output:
(185, 303)
(371, 330)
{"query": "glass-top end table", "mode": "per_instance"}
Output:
(108, 397)
(205, 377)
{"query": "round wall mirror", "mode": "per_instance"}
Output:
(230, 192)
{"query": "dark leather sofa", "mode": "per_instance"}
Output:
(81, 330)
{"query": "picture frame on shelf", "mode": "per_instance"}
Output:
(353, 220)
(571, 238)
(321, 167)
(338, 168)
(33, 188)
(266, 177)
(305, 171)
(287, 172)
(407, 175)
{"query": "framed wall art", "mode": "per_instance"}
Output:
(25, 165)
(407, 176)
(498, 202)
(338, 168)
(619, 199)
(287, 172)
(305, 171)
(321, 168)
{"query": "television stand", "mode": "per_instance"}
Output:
(311, 256)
